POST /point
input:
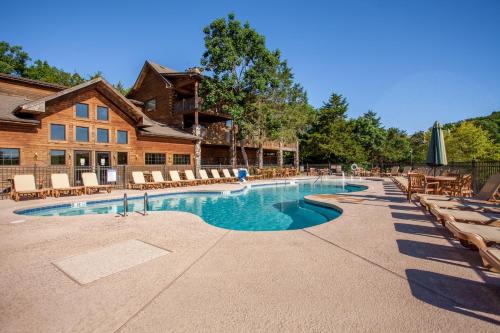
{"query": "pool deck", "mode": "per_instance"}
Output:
(383, 265)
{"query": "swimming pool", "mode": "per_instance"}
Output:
(259, 208)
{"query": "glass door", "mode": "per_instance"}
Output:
(102, 163)
(82, 163)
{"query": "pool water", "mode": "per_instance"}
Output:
(261, 208)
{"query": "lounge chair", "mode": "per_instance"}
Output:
(205, 178)
(236, 173)
(392, 173)
(228, 176)
(190, 176)
(484, 238)
(160, 181)
(24, 186)
(216, 176)
(60, 185)
(491, 258)
(475, 217)
(406, 170)
(92, 185)
(139, 183)
(174, 175)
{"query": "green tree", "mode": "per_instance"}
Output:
(467, 142)
(370, 134)
(41, 70)
(330, 138)
(121, 88)
(240, 67)
(13, 60)
(419, 144)
(396, 147)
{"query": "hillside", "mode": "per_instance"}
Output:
(490, 123)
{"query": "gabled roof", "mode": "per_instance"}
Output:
(39, 106)
(161, 130)
(8, 104)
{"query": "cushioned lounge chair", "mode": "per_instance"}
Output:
(24, 186)
(190, 176)
(228, 176)
(216, 175)
(139, 183)
(205, 178)
(92, 185)
(174, 175)
(160, 181)
(60, 185)
(491, 258)
(475, 217)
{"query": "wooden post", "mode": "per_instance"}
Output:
(232, 148)
(280, 154)
(296, 157)
(197, 132)
(260, 156)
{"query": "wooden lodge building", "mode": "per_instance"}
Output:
(159, 122)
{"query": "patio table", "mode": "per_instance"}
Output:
(442, 180)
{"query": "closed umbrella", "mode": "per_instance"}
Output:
(436, 155)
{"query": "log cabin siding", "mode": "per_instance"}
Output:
(35, 143)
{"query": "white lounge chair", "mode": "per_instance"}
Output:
(60, 185)
(92, 185)
(24, 185)
(139, 183)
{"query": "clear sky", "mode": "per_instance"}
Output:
(412, 62)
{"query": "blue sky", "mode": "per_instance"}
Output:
(412, 62)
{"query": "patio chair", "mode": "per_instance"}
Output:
(24, 186)
(405, 171)
(487, 197)
(174, 176)
(158, 179)
(139, 183)
(205, 178)
(228, 176)
(60, 185)
(92, 185)
(417, 183)
(190, 176)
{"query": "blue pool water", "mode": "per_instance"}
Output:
(270, 207)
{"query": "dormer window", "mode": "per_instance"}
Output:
(150, 105)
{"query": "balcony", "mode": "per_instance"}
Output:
(188, 106)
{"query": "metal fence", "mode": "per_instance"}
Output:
(480, 170)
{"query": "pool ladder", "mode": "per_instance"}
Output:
(320, 177)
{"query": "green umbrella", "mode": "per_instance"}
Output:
(436, 155)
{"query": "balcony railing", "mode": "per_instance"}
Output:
(188, 105)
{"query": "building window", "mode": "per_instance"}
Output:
(122, 158)
(57, 132)
(182, 159)
(82, 134)
(57, 157)
(102, 135)
(155, 158)
(229, 123)
(150, 105)
(82, 110)
(102, 113)
(122, 137)
(9, 156)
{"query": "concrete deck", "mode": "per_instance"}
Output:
(384, 265)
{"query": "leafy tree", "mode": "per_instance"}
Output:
(13, 60)
(241, 67)
(330, 138)
(489, 123)
(371, 135)
(121, 88)
(468, 141)
(41, 70)
(396, 147)
(419, 144)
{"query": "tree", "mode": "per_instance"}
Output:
(240, 68)
(121, 88)
(330, 138)
(370, 135)
(467, 142)
(41, 70)
(13, 60)
(396, 147)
